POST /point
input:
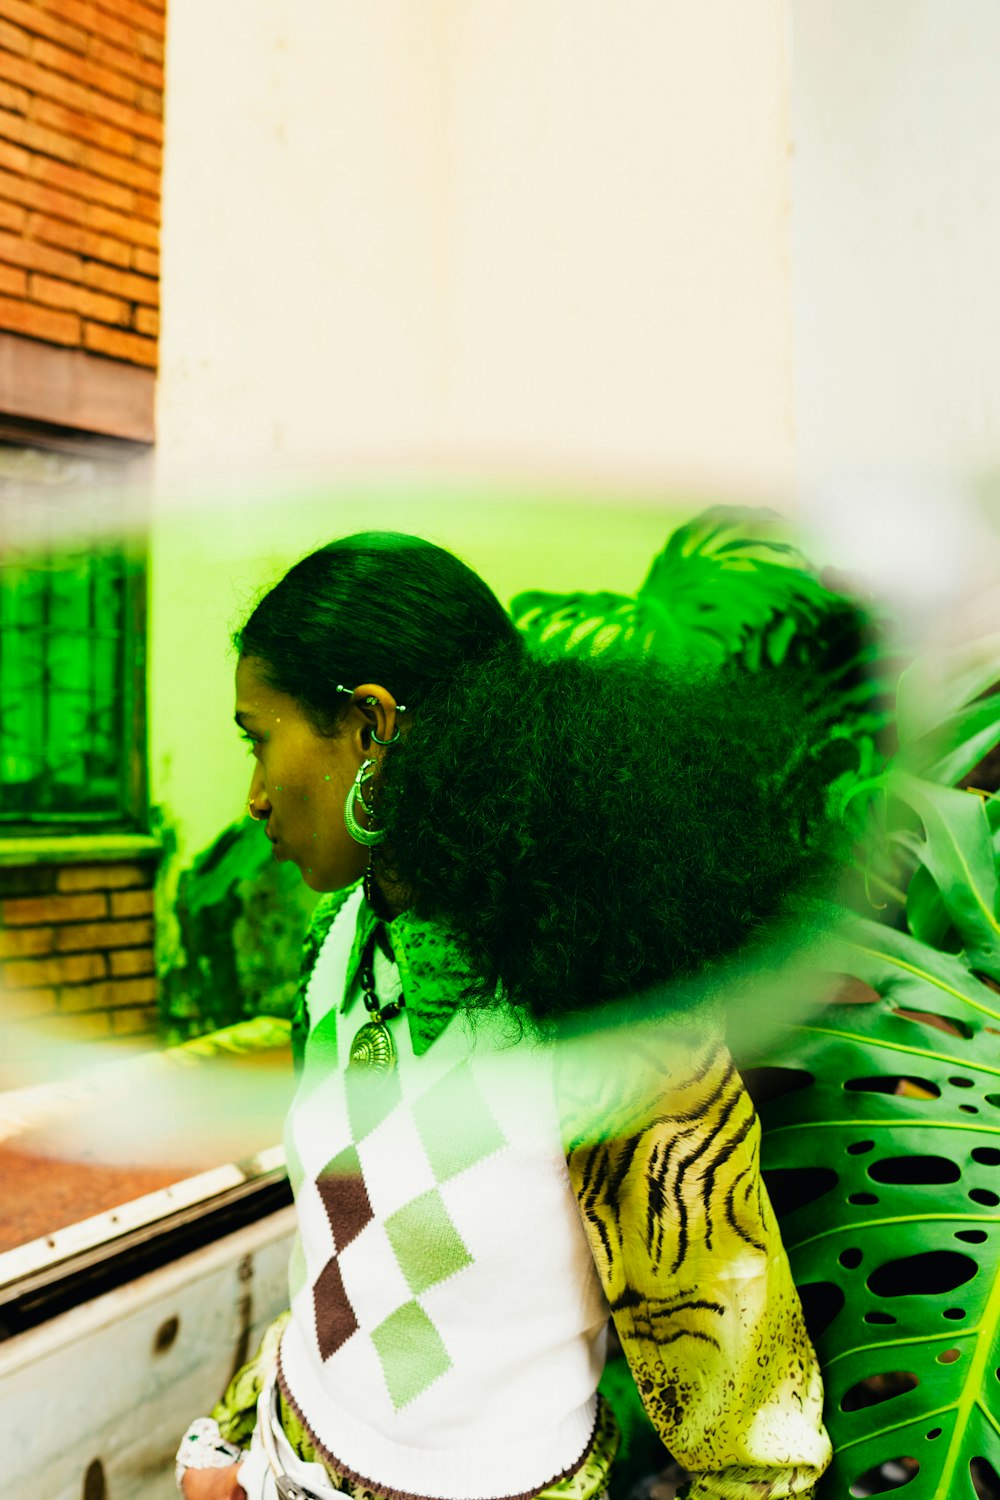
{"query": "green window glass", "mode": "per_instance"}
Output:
(70, 656)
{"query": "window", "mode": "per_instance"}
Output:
(72, 604)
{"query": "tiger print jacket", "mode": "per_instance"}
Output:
(662, 1146)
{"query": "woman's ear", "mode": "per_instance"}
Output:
(379, 723)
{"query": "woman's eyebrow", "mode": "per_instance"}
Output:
(241, 716)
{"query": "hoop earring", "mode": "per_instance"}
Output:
(377, 741)
(366, 836)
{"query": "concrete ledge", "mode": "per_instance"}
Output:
(83, 848)
(74, 389)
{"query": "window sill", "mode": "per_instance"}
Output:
(79, 849)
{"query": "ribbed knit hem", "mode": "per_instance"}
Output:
(338, 1467)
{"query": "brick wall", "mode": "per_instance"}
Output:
(76, 949)
(81, 105)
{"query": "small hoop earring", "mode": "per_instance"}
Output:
(366, 836)
(377, 741)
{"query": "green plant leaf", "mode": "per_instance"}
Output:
(951, 749)
(579, 624)
(936, 686)
(723, 588)
(926, 914)
(958, 852)
(883, 1160)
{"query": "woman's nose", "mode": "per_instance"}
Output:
(258, 804)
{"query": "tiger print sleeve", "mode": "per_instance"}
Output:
(667, 1177)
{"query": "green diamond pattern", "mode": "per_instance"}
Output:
(426, 1243)
(320, 1052)
(455, 1124)
(371, 1097)
(411, 1352)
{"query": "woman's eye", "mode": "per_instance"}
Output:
(248, 739)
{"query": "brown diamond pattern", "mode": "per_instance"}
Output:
(335, 1320)
(341, 1186)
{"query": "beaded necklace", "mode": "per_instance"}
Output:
(373, 1050)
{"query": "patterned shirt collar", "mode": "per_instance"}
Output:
(431, 969)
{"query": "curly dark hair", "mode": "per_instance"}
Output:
(586, 829)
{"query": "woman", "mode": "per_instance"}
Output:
(507, 848)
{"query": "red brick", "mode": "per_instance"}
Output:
(22, 1005)
(80, 241)
(80, 937)
(147, 322)
(33, 911)
(117, 345)
(110, 877)
(20, 189)
(12, 97)
(120, 173)
(14, 39)
(39, 322)
(104, 80)
(146, 261)
(127, 62)
(150, 47)
(78, 299)
(134, 1022)
(75, 122)
(81, 13)
(128, 961)
(136, 231)
(18, 252)
(121, 284)
(149, 154)
(79, 997)
(95, 189)
(26, 942)
(132, 904)
(30, 880)
(74, 968)
(12, 217)
(41, 22)
(147, 206)
(150, 101)
(95, 1024)
(148, 15)
(14, 158)
(142, 179)
(13, 282)
(77, 96)
(132, 991)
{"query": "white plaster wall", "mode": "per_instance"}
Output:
(509, 273)
(510, 233)
(896, 304)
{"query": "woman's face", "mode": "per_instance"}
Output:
(300, 781)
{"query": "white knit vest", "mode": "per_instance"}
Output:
(448, 1325)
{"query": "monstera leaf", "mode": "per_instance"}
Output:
(882, 1155)
(946, 713)
(881, 1138)
(724, 587)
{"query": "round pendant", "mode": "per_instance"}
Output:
(372, 1049)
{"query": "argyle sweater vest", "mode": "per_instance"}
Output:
(448, 1326)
